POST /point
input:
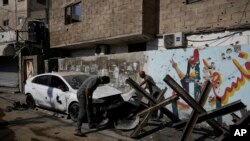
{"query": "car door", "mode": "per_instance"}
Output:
(40, 87)
(60, 93)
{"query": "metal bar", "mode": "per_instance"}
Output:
(141, 125)
(229, 108)
(180, 124)
(137, 87)
(160, 104)
(164, 110)
(195, 114)
(162, 93)
(243, 112)
(245, 120)
(185, 96)
(235, 117)
(146, 118)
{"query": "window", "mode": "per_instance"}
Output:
(6, 23)
(43, 2)
(192, 1)
(20, 20)
(137, 47)
(43, 80)
(57, 82)
(5, 2)
(73, 13)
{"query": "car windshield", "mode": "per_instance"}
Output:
(75, 81)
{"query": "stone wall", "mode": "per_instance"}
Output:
(177, 16)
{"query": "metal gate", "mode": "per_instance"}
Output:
(9, 71)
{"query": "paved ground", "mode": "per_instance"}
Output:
(42, 125)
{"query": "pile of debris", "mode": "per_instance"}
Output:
(17, 106)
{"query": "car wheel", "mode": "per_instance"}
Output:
(73, 111)
(30, 101)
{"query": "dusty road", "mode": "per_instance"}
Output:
(42, 125)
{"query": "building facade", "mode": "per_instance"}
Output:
(15, 16)
(214, 37)
(86, 27)
(110, 24)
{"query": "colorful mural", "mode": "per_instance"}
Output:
(226, 67)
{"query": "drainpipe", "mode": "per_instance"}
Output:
(16, 14)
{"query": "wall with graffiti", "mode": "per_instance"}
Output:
(228, 68)
(118, 67)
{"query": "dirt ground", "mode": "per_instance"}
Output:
(43, 125)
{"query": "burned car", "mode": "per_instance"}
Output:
(57, 91)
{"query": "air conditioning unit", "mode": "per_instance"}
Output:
(174, 40)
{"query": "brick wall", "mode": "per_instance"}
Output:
(176, 15)
(150, 16)
(102, 20)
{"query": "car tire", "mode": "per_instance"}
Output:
(30, 101)
(73, 111)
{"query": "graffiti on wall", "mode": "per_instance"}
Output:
(228, 68)
(118, 69)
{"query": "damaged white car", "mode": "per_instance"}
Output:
(57, 91)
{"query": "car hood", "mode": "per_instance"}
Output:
(104, 91)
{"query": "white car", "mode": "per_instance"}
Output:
(57, 91)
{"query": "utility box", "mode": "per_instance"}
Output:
(174, 40)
